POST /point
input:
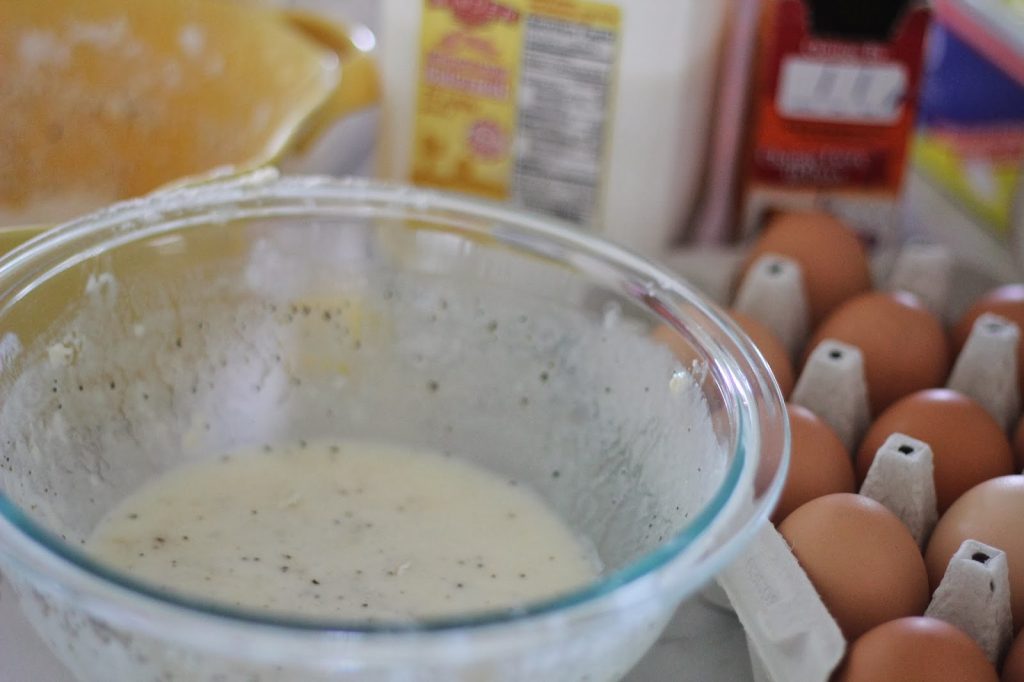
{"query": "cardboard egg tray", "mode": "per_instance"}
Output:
(791, 635)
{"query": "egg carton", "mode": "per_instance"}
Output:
(791, 635)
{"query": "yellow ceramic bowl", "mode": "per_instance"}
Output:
(110, 99)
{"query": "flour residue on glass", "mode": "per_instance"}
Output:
(360, 531)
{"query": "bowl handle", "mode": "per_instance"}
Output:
(359, 85)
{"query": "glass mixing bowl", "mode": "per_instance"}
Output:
(269, 309)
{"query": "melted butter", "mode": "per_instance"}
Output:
(351, 530)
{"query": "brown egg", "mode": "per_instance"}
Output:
(967, 444)
(916, 650)
(832, 259)
(1018, 445)
(903, 344)
(1013, 664)
(993, 513)
(1006, 301)
(766, 341)
(771, 348)
(819, 464)
(667, 336)
(861, 559)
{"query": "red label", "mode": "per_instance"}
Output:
(478, 12)
(487, 139)
(817, 149)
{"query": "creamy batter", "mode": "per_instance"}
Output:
(348, 530)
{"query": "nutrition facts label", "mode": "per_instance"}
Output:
(565, 86)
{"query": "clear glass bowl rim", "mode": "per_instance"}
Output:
(263, 194)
